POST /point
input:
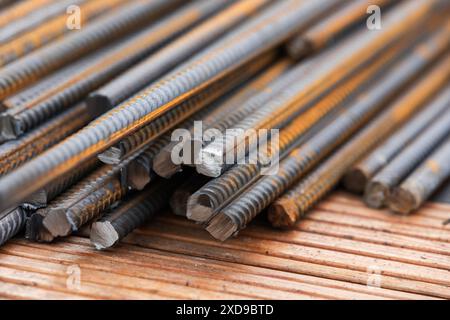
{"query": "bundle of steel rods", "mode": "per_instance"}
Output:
(216, 111)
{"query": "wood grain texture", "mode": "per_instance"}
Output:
(331, 254)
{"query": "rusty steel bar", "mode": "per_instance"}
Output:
(80, 204)
(11, 223)
(357, 178)
(185, 109)
(140, 170)
(220, 191)
(138, 209)
(35, 231)
(36, 17)
(84, 201)
(21, 9)
(262, 193)
(43, 197)
(350, 59)
(380, 186)
(232, 107)
(295, 203)
(114, 25)
(44, 87)
(329, 29)
(53, 29)
(138, 77)
(17, 152)
(16, 121)
(422, 182)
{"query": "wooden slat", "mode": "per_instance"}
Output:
(328, 255)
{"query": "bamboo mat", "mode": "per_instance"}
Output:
(342, 250)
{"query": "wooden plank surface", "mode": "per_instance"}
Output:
(342, 250)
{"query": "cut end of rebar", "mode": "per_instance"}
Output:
(8, 128)
(212, 161)
(222, 227)
(355, 181)
(36, 201)
(103, 235)
(283, 214)
(138, 176)
(402, 201)
(376, 194)
(163, 165)
(199, 208)
(56, 223)
(112, 155)
(98, 104)
(299, 48)
(35, 230)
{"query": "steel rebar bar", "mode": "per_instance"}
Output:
(217, 193)
(295, 203)
(53, 29)
(16, 121)
(421, 183)
(26, 70)
(137, 210)
(330, 28)
(357, 178)
(347, 61)
(378, 188)
(175, 52)
(251, 202)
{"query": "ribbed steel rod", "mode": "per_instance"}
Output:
(140, 170)
(423, 182)
(266, 31)
(295, 203)
(40, 90)
(116, 60)
(43, 197)
(184, 110)
(263, 192)
(53, 29)
(138, 209)
(346, 61)
(174, 53)
(233, 106)
(77, 206)
(28, 69)
(214, 195)
(17, 152)
(35, 231)
(42, 93)
(380, 186)
(35, 18)
(82, 197)
(11, 224)
(20, 10)
(357, 178)
(330, 28)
